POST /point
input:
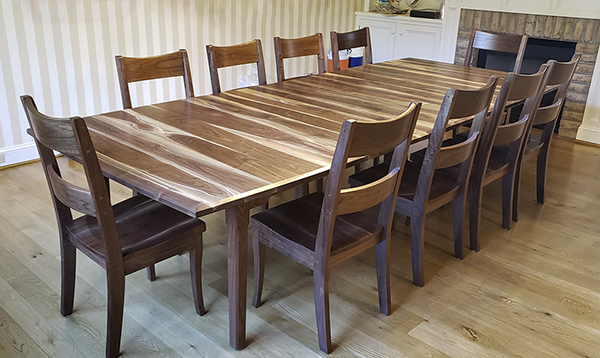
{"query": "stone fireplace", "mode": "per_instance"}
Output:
(586, 32)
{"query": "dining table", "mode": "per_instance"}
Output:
(233, 150)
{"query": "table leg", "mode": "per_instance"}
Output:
(237, 220)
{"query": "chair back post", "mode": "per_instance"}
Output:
(303, 46)
(241, 54)
(100, 195)
(348, 40)
(330, 200)
(134, 69)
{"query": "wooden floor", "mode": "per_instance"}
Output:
(533, 291)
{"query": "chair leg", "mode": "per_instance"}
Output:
(116, 298)
(321, 287)
(417, 245)
(516, 189)
(151, 270)
(457, 214)
(301, 191)
(67, 265)
(383, 276)
(259, 269)
(320, 185)
(542, 165)
(508, 199)
(196, 273)
(265, 206)
(474, 196)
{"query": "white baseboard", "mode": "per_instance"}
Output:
(588, 134)
(18, 154)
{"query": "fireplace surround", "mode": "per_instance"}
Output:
(585, 32)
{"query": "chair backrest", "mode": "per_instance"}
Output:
(303, 46)
(70, 137)
(497, 42)
(359, 139)
(242, 54)
(515, 88)
(457, 103)
(348, 40)
(134, 69)
(559, 75)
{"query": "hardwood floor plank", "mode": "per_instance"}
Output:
(14, 341)
(532, 291)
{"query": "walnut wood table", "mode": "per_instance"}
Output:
(233, 150)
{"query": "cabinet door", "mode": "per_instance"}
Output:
(418, 41)
(383, 37)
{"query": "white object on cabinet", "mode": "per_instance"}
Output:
(397, 36)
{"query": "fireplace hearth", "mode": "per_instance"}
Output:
(584, 34)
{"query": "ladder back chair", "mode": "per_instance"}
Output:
(538, 143)
(134, 69)
(498, 154)
(321, 230)
(227, 56)
(122, 238)
(481, 40)
(348, 40)
(299, 47)
(426, 186)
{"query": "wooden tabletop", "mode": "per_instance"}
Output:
(203, 154)
(233, 150)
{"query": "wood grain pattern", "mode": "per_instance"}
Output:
(532, 291)
(123, 238)
(203, 154)
(227, 150)
(322, 230)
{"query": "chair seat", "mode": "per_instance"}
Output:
(141, 223)
(534, 145)
(444, 181)
(295, 224)
(497, 165)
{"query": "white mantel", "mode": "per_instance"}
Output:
(590, 127)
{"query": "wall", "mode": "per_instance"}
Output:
(62, 51)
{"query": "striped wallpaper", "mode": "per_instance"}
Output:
(62, 51)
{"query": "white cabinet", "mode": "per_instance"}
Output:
(397, 36)
(384, 32)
